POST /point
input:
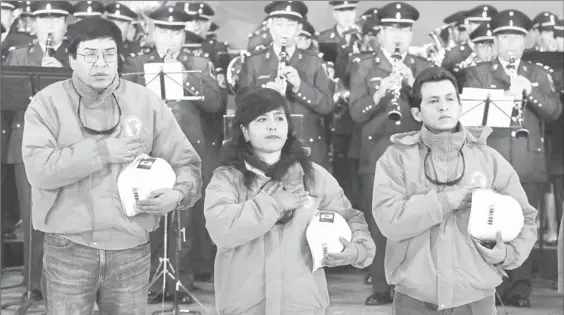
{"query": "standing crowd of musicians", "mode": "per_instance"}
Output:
(351, 84)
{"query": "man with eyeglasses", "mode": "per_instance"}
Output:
(532, 85)
(170, 37)
(374, 81)
(79, 135)
(422, 197)
(51, 22)
(474, 17)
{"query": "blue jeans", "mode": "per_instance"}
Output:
(406, 305)
(74, 275)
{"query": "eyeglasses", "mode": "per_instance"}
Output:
(92, 57)
(448, 183)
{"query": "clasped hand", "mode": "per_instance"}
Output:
(519, 84)
(122, 150)
(160, 201)
(347, 256)
(291, 75)
(496, 254)
(390, 82)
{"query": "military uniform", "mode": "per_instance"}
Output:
(259, 39)
(190, 117)
(366, 74)
(526, 155)
(120, 12)
(32, 55)
(313, 100)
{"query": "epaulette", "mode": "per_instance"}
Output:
(545, 67)
(357, 58)
(12, 48)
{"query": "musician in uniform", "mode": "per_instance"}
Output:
(123, 17)
(51, 19)
(543, 32)
(559, 35)
(309, 90)
(26, 20)
(482, 39)
(373, 80)
(84, 9)
(170, 36)
(12, 37)
(533, 86)
(260, 38)
(457, 29)
(212, 31)
(474, 17)
(305, 39)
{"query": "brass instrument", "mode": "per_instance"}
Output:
(518, 114)
(48, 45)
(233, 70)
(280, 80)
(437, 51)
(470, 61)
(395, 112)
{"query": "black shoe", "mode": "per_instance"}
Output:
(35, 295)
(378, 299)
(154, 297)
(183, 298)
(519, 301)
(368, 279)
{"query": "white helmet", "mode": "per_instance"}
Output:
(323, 234)
(140, 178)
(492, 212)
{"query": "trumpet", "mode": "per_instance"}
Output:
(518, 114)
(48, 45)
(280, 81)
(395, 112)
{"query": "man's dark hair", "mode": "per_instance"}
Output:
(252, 103)
(92, 28)
(432, 74)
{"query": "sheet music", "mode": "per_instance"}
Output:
(174, 89)
(473, 102)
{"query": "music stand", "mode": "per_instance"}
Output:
(486, 107)
(160, 78)
(19, 85)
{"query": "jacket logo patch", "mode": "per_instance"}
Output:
(479, 179)
(133, 126)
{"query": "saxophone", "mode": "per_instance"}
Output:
(280, 80)
(518, 114)
(395, 111)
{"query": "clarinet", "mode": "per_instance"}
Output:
(518, 114)
(395, 112)
(48, 45)
(281, 82)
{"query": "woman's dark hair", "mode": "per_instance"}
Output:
(251, 103)
(93, 28)
(432, 74)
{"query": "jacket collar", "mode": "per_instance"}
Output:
(294, 175)
(90, 97)
(444, 143)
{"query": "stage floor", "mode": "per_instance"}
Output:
(347, 294)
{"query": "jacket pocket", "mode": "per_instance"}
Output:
(42, 201)
(307, 292)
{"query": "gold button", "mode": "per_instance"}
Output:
(18, 126)
(310, 139)
(369, 137)
(319, 137)
(198, 141)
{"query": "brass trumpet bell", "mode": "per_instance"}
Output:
(521, 133)
(395, 116)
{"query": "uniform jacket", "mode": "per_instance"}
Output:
(190, 114)
(429, 254)
(14, 41)
(30, 55)
(376, 128)
(313, 100)
(265, 268)
(456, 55)
(342, 125)
(259, 40)
(526, 155)
(556, 131)
(74, 189)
